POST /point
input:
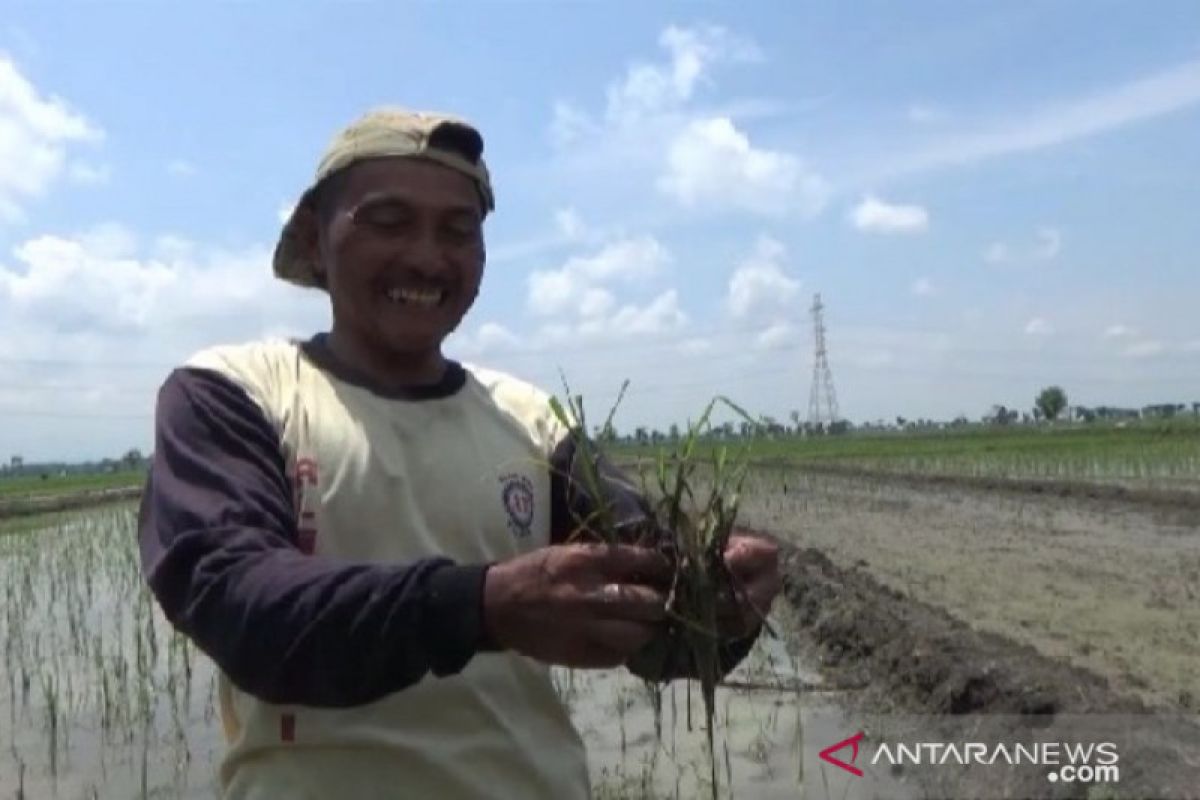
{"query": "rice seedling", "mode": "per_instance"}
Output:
(693, 505)
(91, 673)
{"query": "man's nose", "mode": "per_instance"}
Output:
(424, 255)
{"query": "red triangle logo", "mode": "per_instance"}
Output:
(827, 754)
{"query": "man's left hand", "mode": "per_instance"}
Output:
(753, 564)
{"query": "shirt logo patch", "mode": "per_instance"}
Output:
(517, 495)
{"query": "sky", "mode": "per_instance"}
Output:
(990, 197)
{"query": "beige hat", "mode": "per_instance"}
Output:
(382, 133)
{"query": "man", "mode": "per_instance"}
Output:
(371, 540)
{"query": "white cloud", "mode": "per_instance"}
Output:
(1154, 95)
(662, 314)
(711, 163)
(652, 93)
(596, 302)
(570, 124)
(996, 253)
(652, 129)
(695, 347)
(923, 287)
(576, 286)
(553, 333)
(114, 311)
(65, 281)
(109, 240)
(487, 338)
(284, 212)
(650, 89)
(85, 174)
(873, 215)
(569, 224)
(492, 334)
(1038, 327)
(1119, 332)
(1146, 348)
(775, 336)
(1046, 246)
(761, 281)
(35, 135)
(174, 248)
(181, 168)
(102, 283)
(624, 259)
(569, 229)
(553, 292)
(1049, 243)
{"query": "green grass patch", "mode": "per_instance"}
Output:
(26, 486)
(1165, 450)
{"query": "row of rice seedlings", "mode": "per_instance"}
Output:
(1099, 465)
(85, 647)
(690, 527)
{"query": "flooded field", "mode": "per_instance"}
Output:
(99, 698)
(933, 598)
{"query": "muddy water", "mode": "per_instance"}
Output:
(99, 699)
(770, 724)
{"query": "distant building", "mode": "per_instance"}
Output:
(1163, 410)
(1108, 412)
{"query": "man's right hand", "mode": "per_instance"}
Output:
(580, 605)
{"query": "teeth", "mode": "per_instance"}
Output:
(415, 297)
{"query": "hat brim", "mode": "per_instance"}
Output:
(294, 259)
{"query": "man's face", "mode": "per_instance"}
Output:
(402, 252)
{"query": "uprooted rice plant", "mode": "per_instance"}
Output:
(691, 525)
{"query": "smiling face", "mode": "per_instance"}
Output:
(401, 253)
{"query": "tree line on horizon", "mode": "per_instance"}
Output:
(1050, 405)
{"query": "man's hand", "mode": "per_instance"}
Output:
(583, 605)
(753, 563)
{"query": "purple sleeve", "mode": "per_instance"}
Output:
(218, 540)
(571, 504)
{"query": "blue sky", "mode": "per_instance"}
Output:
(989, 196)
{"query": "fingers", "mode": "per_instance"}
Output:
(624, 563)
(749, 557)
(753, 563)
(628, 601)
(620, 638)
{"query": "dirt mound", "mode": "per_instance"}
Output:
(917, 659)
(933, 661)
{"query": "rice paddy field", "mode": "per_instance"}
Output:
(1147, 454)
(37, 486)
(100, 699)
